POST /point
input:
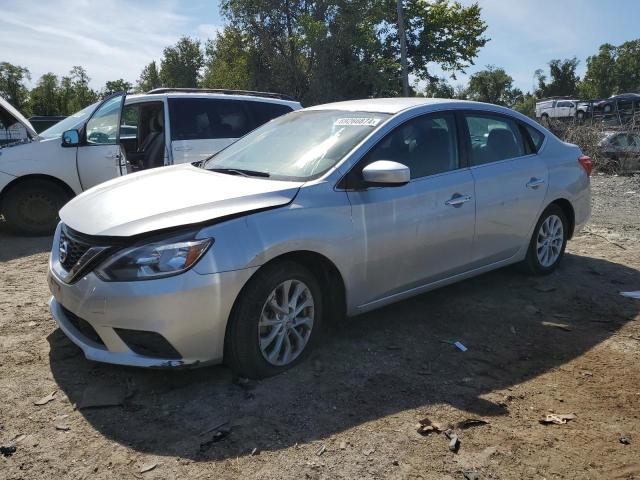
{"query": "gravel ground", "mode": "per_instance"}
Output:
(351, 410)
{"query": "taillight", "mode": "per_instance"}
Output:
(586, 163)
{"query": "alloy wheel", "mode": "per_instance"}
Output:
(549, 241)
(286, 322)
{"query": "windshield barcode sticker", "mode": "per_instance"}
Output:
(358, 122)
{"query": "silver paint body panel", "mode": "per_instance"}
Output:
(388, 243)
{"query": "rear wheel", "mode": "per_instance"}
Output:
(32, 207)
(548, 242)
(275, 321)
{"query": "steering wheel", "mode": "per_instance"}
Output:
(98, 137)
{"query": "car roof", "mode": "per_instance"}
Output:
(396, 105)
(227, 96)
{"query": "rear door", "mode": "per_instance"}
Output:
(203, 126)
(99, 156)
(510, 184)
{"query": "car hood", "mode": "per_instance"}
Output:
(9, 115)
(170, 197)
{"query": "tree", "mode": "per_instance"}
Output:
(600, 79)
(149, 78)
(12, 87)
(492, 85)
(442, 32)
(227, 61)
(439, 88)
(526, 104)
(44, 96)
(75, 93)
(564, 80)
(113, 86)
(181, 64)
(627, 67)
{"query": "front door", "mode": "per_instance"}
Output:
(510, 185)
(420, 232)
(99, 156)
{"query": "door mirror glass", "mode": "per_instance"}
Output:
(386, 173)
(70, 138)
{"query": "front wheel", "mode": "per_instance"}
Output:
(548, 242)
(275, 321)
(32, 207)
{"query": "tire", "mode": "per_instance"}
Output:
(536, 262)
(544, 120)
(243, 352)
(608, 108)
(31, 208)
(581, 116)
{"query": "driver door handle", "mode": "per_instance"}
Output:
(457, 200)
(534, 183)
(112, 156)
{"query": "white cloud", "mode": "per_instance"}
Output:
(111, 39)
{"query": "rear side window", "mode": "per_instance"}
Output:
(262, 112)
(493, 138)
(204, 118)
(536, 137)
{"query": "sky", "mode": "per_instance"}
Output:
(115, 38)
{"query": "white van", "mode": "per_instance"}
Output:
(40, 172)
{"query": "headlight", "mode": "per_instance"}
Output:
(154, 260)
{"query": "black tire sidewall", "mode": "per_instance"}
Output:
(532, 258)
(55, 194)
(242, 349)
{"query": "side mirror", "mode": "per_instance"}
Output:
(70, 138)
(385, 173)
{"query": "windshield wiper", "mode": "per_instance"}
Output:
(240, 171)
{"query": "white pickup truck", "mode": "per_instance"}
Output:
(40, 172)
(561, 109)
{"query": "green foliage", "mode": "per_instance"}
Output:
(612, 70)
(227, 61)
(12, 87)
(44, 96)
(113, 86)
(441, 32)
(149, 78)
(564, 80)
(492, 85)
(75, 93)
(438, 87)
(181, 64)
(526, 104)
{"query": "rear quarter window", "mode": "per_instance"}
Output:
(536, 136)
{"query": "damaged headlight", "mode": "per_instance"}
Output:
(159, 259)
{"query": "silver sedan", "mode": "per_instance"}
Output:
(327, 212)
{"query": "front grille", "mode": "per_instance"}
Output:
(71, 248)
(83, 326)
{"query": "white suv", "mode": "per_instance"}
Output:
(41, 172)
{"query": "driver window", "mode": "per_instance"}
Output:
(103, 125)
(426, 144)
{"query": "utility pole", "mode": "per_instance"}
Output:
(403, 51)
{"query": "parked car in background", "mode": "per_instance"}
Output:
(622, 147)
(625, 103)
(338, 208)
(41, 122)
(41, 171)
(561, 109)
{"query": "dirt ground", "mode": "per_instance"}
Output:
(351, 410)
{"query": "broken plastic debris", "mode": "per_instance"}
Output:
(45, 400)
(454, 441)
(148, 468)
(426, 426)
(460, 346)
(557, 418)
(561, 326)
(635, 294)
(471, 422)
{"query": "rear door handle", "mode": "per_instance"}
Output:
(457, 200)
(112, 156)
(535, 183)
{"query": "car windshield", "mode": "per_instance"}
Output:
(297, 146)
(69, 123)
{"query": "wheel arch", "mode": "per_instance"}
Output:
(569, 212)
(30, 178)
